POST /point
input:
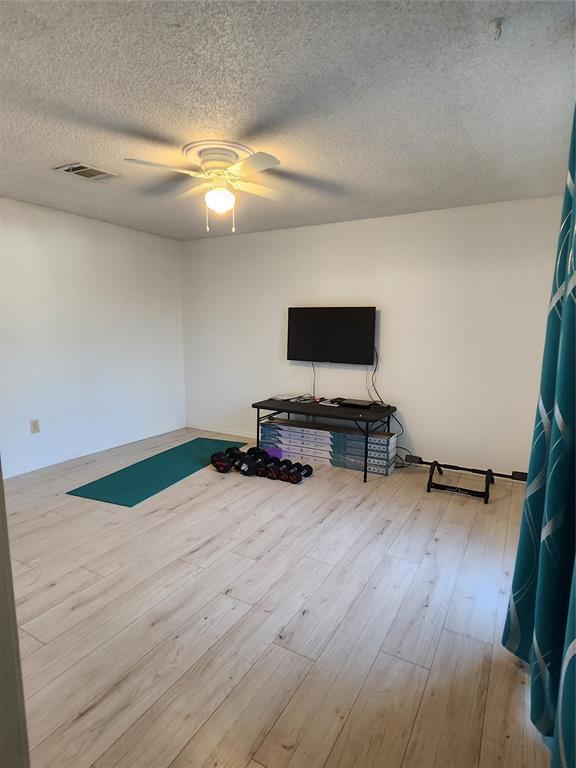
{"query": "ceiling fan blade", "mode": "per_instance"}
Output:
(312, 182)
(169, 183)
(197, 174)
(258, 189)
(195, 190)
(37, 103)
(261, 161)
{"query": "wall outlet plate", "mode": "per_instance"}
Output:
(34, 426)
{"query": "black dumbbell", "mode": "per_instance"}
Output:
(263, 463)
(257, 453)
(221, 462)
(275, 468)
(261, 458)
(247, 465)
(243, 462)
(237, 457)
(233, 457)
(296, 473)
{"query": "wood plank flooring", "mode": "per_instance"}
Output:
(233, 622)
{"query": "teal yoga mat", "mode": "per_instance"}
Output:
(133, 484)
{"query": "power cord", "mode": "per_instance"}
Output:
(397, 420)
(374, 372)
(401, 459)
(379, 399)
(372, 385)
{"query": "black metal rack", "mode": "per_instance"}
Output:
(366, 420)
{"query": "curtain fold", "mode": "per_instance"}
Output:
(540, 626)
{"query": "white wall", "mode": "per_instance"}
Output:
(91, 345)
(462, 294)
(91, 323)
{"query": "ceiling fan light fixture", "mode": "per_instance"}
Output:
(223, 167)
(220, 200)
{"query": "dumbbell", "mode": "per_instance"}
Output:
(276, 466)
(295, 473)
(247, 462)
(257, 453)
(263, 464)
(243, 462)
(261, 460)
(221, 462)
(246, 465)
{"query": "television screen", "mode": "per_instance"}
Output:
(332, 334)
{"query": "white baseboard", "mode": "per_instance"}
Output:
(223, 430)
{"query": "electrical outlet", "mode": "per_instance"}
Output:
(34, 426)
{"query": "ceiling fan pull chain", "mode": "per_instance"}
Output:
(207, 222)
(233, 217)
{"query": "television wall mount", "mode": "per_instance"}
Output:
(488, 474)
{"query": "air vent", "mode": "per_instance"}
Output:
(85, 171)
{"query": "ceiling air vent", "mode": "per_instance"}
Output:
(85, 171)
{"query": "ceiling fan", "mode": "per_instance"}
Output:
(221, 169)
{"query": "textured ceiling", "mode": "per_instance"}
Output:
(391, 107)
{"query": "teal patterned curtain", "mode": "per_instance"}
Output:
(540, 627)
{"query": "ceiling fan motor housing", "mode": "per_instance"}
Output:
(216, 155)
(217, 159)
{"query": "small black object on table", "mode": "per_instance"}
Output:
(366, 420)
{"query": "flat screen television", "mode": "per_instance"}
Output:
(332, 334)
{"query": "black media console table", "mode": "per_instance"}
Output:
(367, 421)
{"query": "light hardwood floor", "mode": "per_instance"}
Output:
(236, 622)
